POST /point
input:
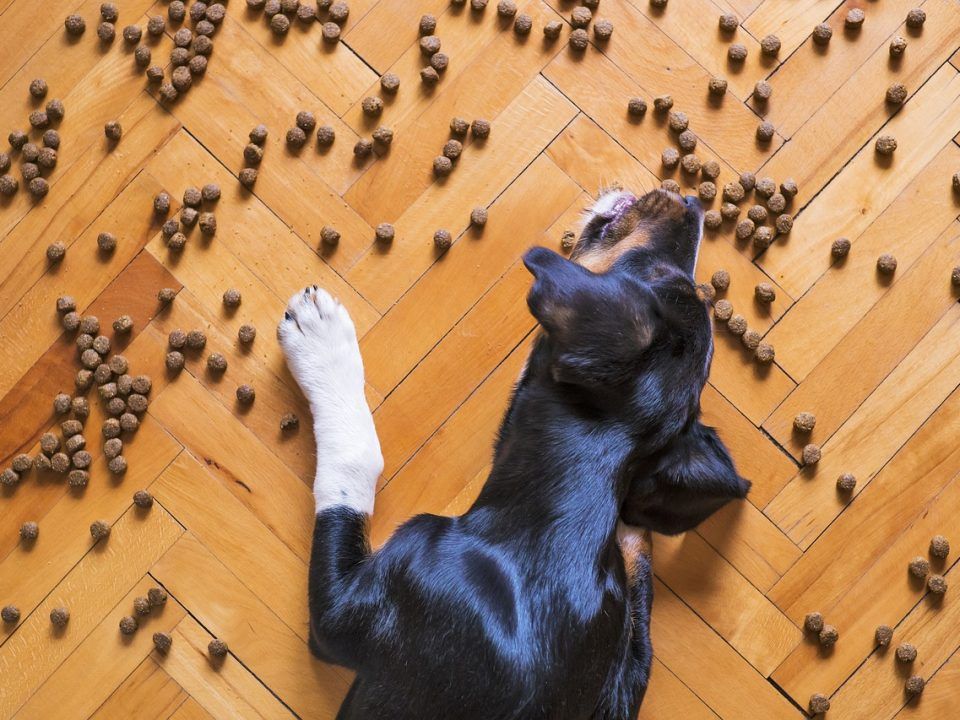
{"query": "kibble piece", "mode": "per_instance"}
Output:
(459, 127)
(55, 251)
(906, 653)
(720, 280)
(819, 704)
(762, 237)
(174, 361)
(118, 364)
(51, 139)
(9, 477)
(710, 169)
(765, 131)
(216, 363)
(38, 88)
(678, 121)
(231, 298)
(717, 86)
(81, 460)
(208, 223)
(729, 211)
(737, 325)
(896, 94)
(111, 428)
(106, 32)
(579, 40)
(363, 147)
(663, 103)
(776, 203)
(810, 455)
(937, 584)
(129, 422)
(690, 164)
(330, 32)
(840, 248)
(764, 354)
(428, 23)
(8, 185)
(162, 642)
(74, 444)
(737, 53)
(442, 166)
(30, 171)
(329, 236)
(822, 34)
(59, 616)
(770, 45)
(247, 177)
(897, 46)
(132, 34)
(757, 213)
(141, 605)
(887, 264)
(10, 614)
(706, 293)
(916, 18)
(247, 334)
(128, 625)
(246, 394)
(61, 403)
(580, 17)
(118, 465)
(883, 635)
(919, 567)
(670, 185)
(707, 192)
(712, 219)
(508, 8)
(723, 310)
(296, 138)
(745, 229)
(372, 106)
(854, 18)
(383, 135)
(762, 90)
(49, 443)
(442, 239)
(112, 448)
(217, 648)
(670, 158)
(602, 29)
(29, 531)
(429, 44)
(75, 25)
(886, 145)
(846, 482)
(828, 636)
(729, 22)
(384, 233)
(552, 29)
(71, 321)
(914, 685)
(939, 546)
(478, 216)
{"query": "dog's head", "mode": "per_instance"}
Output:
(627, 340)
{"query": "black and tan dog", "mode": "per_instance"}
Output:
(536, 602)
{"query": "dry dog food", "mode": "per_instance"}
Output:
(810, 455)
(662, 103)
(442, 239)
(452, 149)
(720, 280)
(737, 53)
(819, 704)
(670, 158)
(478, 216)
(636, 107)
(128, 625)
(75, 25)
(783, 224)
(217, 648)
(937, 584)
(216, 363)
(770, 45)
(765, 293)
(384, 233)
(745, 229)
(896, 94)
(174, 362)
(737, 325)
(162, 642)
(246, 394)
(687, 141)
(99, 529)
(883, 635)
(552, 29)
(854, 19)
(906, 653)
(247, 177)
(765, 131)
(764, 354)
(897, 46)
(886, 145)
(887, 264)
(246, 334)
(712, 219)
(579, 39)
(846, 482)
(59, 616)
(729, 22)
(939, 546)
(372, 106)
(919, 567)
(804, 422)
(363, 148)
(916, 18)
(296, 138)
(723, 310)
(678, 121)
(29, 531)
(717, 86)
(38, 88)
(253, 153)
(580, 17)
(383, 135)
(602, 29)
(231, 298)
(828, 636)
(10, 614)
(707, 191)
(442, 166)
(141, 606)
(914, 685)
(106, 32)
(840, 248)
(690, 164)
(157, 596)
(111, 428)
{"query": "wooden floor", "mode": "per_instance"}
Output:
(444, 336)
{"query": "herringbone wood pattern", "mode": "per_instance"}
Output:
(444, 336)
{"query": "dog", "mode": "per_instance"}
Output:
(534, 604)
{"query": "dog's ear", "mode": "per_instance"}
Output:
(599, 323)
(684, 484)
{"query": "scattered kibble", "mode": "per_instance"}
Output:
(819, 704)
(602, 29)
(231, 298)
(906, 653)
(442, 239)
(246, 394)
(29, 531)
(10, 614)
(712, 219)
(886, 145)
(246, 334)
(737, 325)
(75, 25)
(442, 166)
(939, 546)
(737, 53)
(914, 685)
(174, 361)
(579, 40)
(247, 177)
(937, 584)
(883, 635)
(846, 482)
(216, 363)
(840, 248)
(916, 18)
(296, 138)
(384, 233)
(765, 293)
(128, 625)
(478, 216)
(723, 310)
(828, 636)
(804, 422)
(729, 22)
(717, 86)
(217, 648)
(552, 29)
(896, 94)
(887, 264)
(720, 280)
(59, 616)
(919, 567)
(162, 642)
(770, 45)
(157, 596)
(897, 46)
(765, 131)
(854, 19)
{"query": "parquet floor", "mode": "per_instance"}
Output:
(444, 336)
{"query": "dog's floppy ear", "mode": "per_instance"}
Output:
(599, 324)
(684, 484)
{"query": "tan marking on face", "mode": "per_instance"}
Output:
(634, 542)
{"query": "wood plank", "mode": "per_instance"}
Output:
(940, 696)
(97, 583)
(269, 649)
(790, 21)
(229, 690)
(669, 699)
(872, 435)
(383, 276)
(854, 199)
(106, 661)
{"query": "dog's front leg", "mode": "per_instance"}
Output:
(320, 344)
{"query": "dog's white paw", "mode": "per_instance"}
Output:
(320, 344)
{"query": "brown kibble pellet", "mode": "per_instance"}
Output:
(602, 29)
(883, 635)
(670, 185)
(59, 463)
(886, 145)
(80, 407)
(61, 403)
(937, 584)
(141, 606)
(9, 477)
(247, 334)
(846, 482)
(508, 8)
(113, 130)
(678, 121)
(765, 293)
(99, 529)
(383, 135)
(552, 29)
(745, 229)
(216, 363)
(762, 90)
(478, 216)
(729, 211)
(822, 34)
(154, 74)
(174, 361)
(246, 394)
(813, 622)
(442, 240)
(818, 704)
(372, 106)
(128, 625)
(729, 22)
(670, 158)
(384, 233)
(253, 153)
(71, 321)
(56, 252)
(897, 46)
(329, 236)
(129, 422)
(737, 53)
(919, 567)
(106, 32)
(118, 465)
(662, 103)
(906, 653)
(579, 40)
(363, 148)
(712, 219)
(38, 88)
(29, 531)
(442, 166)
(390, 83)
(217, 648)
(49, 443)
(429, 44)
(231, 298)
(112, 448)
(840, 248)
(325, 135)
(914, 685)
(101, 344)
(939, 546)
(69, 428)
(886, 264)
(111, 428)
(737, 325)
(8, 185)
(75, 25)
(764, 354)
(157, 596)
(162, 642)
(330, 32)
(73, 444)
(723, 310)
(810, 455)
(717, 86)
(804, 422)
(137, 403)
(580, 17)
(783, 224)
(247, 177)
(828, 636)
(452, 149)
(208, 223)
(690, 164)
(916, 18)
(896, 94)
(428, 24)
(10, 614)
(765, 131)
(81, 459)
(156, 25)
(854, 18)
(296, 138)
(707, 191)
(132, 34)
(720, 280)
(59, 616)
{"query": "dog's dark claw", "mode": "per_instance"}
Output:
(315, 288)
(287, 316)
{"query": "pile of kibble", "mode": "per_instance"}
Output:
(37, 161)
